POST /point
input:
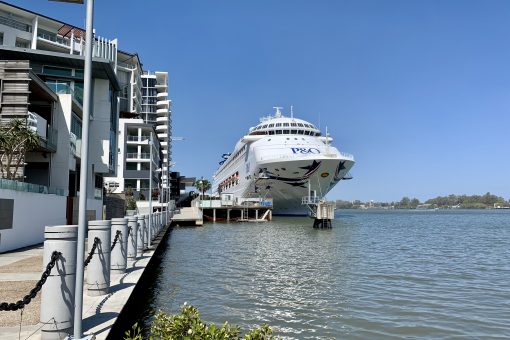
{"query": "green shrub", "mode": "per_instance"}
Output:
(188, 326)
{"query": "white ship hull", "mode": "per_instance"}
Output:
(283, 167)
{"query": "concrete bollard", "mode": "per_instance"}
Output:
(133, 237)
(146, 241)
(119, 253)
(57, 296)
(98, 270)
(140, 239)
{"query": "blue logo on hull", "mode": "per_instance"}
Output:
(305, 151)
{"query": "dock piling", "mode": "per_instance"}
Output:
(133, 237)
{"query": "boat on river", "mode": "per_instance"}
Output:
(286, 159)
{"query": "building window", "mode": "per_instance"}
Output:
(57, 71)
(1, 38)
(22, 43)
(76, 125)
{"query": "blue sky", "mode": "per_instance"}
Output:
(418, 91)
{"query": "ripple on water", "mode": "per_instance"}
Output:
(376, 274)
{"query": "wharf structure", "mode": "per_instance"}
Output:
(227, 208)
(41, 83)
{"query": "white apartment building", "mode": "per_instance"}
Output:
(156, 109)
(41, 78)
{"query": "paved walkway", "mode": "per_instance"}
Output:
(20, 270)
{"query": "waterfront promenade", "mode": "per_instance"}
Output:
(20, 270)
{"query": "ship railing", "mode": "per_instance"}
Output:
(310, 200)
(347, 155)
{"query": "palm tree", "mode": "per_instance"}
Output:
(202, 185)
(16, 139)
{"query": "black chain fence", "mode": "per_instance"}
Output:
(12, 306)
(91, 253)
(117, 236)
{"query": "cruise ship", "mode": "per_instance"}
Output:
(283, 158)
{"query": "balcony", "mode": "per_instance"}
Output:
(62, 88)
(162, 104)
(162, 111)
(19, 25)
(163, 119)
(29, 187)
(48, 36)
(162, 127)
(163, 136)
(162, 95)
(47, 135)
(138, 139)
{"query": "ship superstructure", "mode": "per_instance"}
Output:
(283, 158)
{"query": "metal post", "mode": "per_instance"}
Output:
(84, 172)
(149, 238)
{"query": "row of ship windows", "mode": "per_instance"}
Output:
(284, 125)
(286, 132)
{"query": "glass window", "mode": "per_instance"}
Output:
(57, 71)
(271, 132)
(278, 132)
(285, 124)
(76, 125)
(270, 125)
(278, 124)
(264, 126)
(293, 132)
(300, 132)
(286, 132)
(307, 133)
(293, 124)
(300, 124)
(78, 73)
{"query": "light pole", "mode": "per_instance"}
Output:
(150, 192)
(84, 169)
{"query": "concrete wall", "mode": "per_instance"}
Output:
(99, 128)
(61, 160)
(31, 213)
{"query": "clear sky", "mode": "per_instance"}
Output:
(418, 91)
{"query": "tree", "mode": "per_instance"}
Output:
(202, 185)
(16, 139)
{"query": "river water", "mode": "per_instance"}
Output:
(375, 274)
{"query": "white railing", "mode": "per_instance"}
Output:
(347, 155)
(310, 200)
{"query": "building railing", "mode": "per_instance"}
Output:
(138, 138)
(29, 187)
(61, 88)
(15, 24)
(143, 155)
(54, 38)
(51, 139)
